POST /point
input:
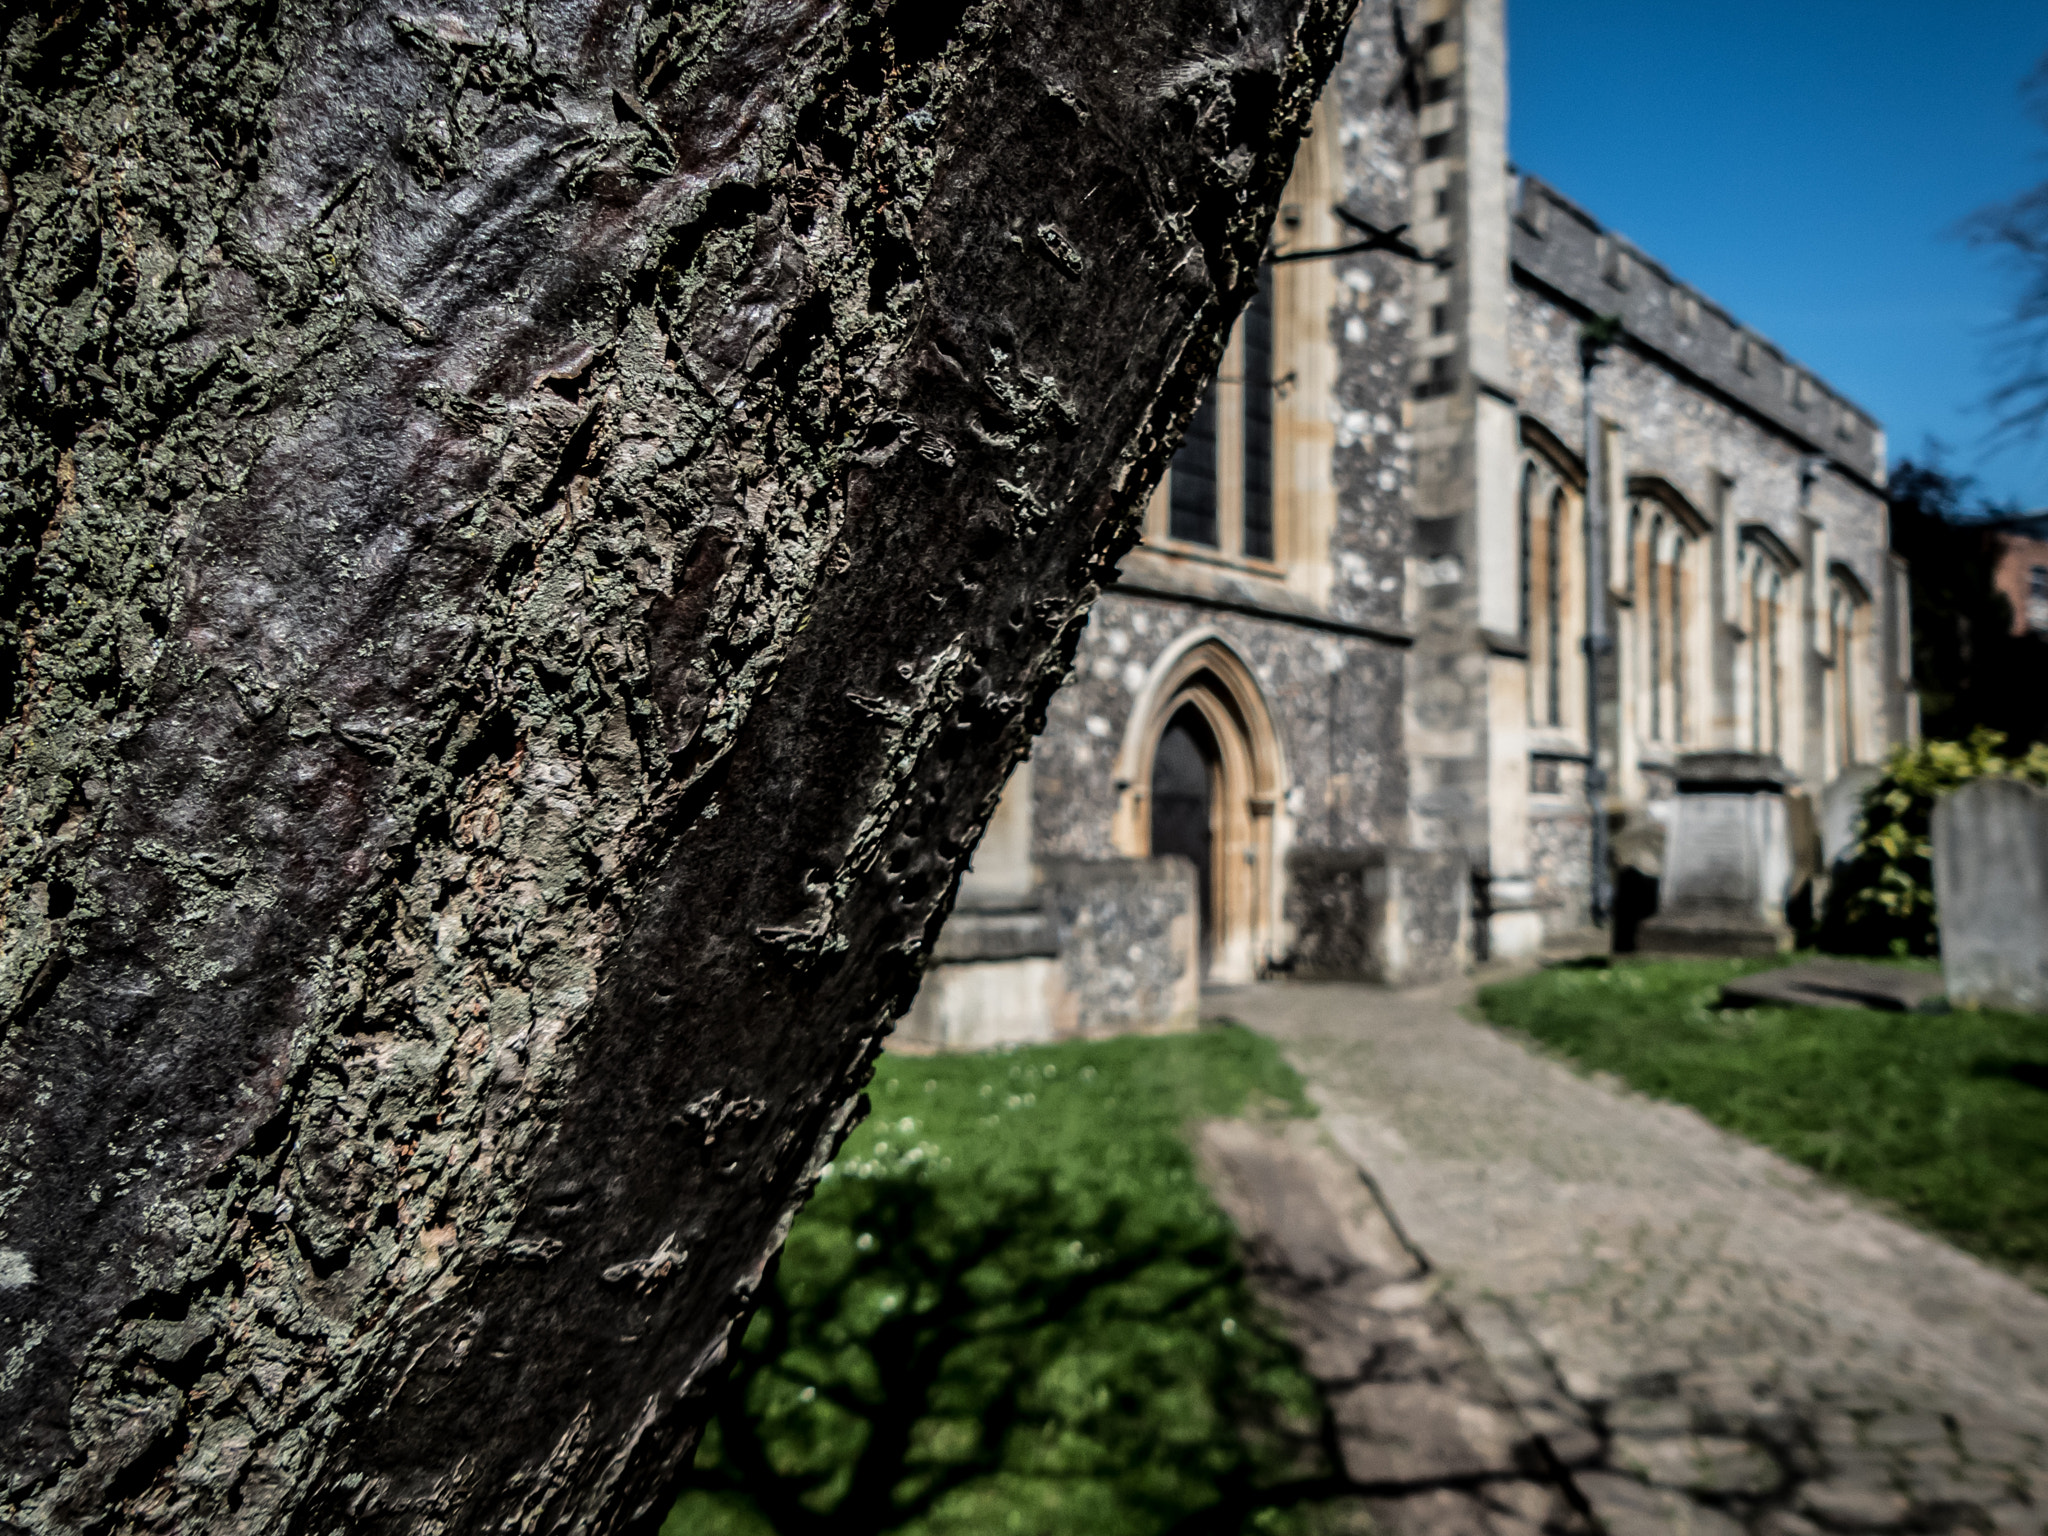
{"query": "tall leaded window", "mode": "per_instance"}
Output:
(1678, 617)
(1661, 595)
(1653, 602)
(1842, 662)
(1766, 595)
(1543, 535)
(1532, 615)
(1523, 509)
(1258, 424)
(1761, 585)
(1553, 611)
(1192, 508)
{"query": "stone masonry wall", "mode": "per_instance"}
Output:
(1346, 784)
(1374, 466)
(1129, 949)
(1674, 430)
(1560, 843)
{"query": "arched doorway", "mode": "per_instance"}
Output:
(1201, 776)
(1185, 766)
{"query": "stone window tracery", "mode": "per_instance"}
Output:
(1239, 488)
(1762, 582)
(1220, 488)
(1848, 628)
(1659, 569)
(1544, 515)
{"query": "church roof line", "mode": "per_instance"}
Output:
(1566, 249)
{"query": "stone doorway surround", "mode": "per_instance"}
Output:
(1201, 671)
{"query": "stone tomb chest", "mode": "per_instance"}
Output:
(1727, 859)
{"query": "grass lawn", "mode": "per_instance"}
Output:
(1012, 1306)
(1943, 1115)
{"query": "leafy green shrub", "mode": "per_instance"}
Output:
(1881, 900)
(1013, 1306)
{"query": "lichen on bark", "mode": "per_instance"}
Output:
(532, 534)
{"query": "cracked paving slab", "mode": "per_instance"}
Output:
(1419, 1422)
(1702, 1336)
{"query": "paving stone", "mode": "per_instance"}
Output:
(2018, 1520)
(1986, 1443)
(1907, 1430)
(1836, 1431)
(1782, 1522)
(1412, 1431)
(1412, 1397)
(1972, 1485)
(1952, 1515)
(1640, 1416)
(1523, 1369)
(1628, 1508)
(1702, 1464)
(1495, 1512)
(1853, 1506)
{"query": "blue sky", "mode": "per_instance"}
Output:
(1804, 163)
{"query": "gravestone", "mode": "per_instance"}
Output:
(1727, 859)
(1991, 893)
(1841, 812)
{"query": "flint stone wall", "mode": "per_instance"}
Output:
(1335, 703)
(1129, 943)
(1393, 915)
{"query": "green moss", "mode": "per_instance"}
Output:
(1013, 1305)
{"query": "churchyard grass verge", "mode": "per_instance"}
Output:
(1012, 1306)
(1944, 1116)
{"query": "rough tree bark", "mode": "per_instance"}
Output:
(533, 532)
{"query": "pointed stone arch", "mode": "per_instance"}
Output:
(1203, 673)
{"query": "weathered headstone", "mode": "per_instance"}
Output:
(1727, 859)
(1841, 811)
(1991, 893)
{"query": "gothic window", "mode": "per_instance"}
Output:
(1763, 589)
(1676, 600)
(1239, 491)
(1221, 487)
(1528, 553)
(1660, 596)
(1631, 576)
(1653, 604)
(1842, 671)
(1193, 479)
(1545, 523)
(1543, 537)
(1553, 610)
(1258, 424)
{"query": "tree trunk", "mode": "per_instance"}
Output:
(532, 537)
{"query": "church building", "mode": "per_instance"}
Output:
(1331, 721)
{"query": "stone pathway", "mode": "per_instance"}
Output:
(1423, 1428)
(1690, 1334)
